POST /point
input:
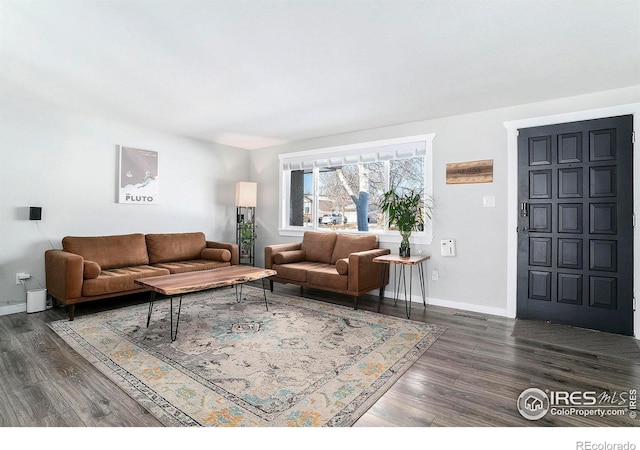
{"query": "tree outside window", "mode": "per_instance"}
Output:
(342, 190)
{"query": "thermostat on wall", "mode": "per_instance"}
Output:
(448, 247)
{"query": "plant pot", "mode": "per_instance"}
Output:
(405, 247)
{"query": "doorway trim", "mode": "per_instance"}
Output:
(512, 192)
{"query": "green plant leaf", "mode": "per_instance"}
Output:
(405, 208)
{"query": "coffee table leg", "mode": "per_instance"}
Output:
(174, 334)
(264, 292)
(238, 296)
(152, 297)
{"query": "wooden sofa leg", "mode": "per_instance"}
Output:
(271, 285)
(355, 302)
(72, 309)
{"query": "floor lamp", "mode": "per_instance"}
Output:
(246, 199)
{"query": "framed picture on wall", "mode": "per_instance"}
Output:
(137, 176)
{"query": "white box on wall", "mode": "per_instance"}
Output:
(448, 247)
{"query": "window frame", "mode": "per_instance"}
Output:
(312, 160)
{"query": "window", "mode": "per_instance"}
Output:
(339, 188)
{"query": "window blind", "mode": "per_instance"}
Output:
(341, 156)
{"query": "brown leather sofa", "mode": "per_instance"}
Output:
(329, 261)
(97, 267)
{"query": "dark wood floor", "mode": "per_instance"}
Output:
(472, 376)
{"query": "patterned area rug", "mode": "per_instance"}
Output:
(301, 363)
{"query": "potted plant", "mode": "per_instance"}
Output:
(406, 209)
(247, 238)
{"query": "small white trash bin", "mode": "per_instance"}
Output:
(36, 300)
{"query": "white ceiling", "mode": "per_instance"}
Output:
(253, 74)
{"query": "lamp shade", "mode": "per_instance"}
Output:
(246, 194)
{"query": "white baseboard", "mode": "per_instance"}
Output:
(502, 312)
(13, 309)
(466, 306)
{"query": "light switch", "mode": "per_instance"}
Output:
(489, 201)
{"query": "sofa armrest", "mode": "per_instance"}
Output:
(233, 248)
(363, 272)
(271, 250)
(64, 273)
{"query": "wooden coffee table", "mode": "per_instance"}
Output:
(183, 283)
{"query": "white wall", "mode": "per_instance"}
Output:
(66, 163)
(475, 279)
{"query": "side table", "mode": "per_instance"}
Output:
(404, 261)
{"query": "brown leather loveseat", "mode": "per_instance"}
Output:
(97, 267)
(336, 262)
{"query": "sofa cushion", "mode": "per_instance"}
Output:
(342, 266)
(192, 265)
(91, 269)
(327, 275)
(216, 254)
(295, 271)
(318, 246)
(352, 243)
(289, 256)
(170, 247)
(119, 280)
(110, 252)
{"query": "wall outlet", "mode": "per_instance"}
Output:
(22, 276)
(434, 275)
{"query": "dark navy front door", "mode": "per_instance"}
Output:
(575, 227)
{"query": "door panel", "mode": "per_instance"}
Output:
(570, 253)
(570, 218)
(570, 288)
(575, 231)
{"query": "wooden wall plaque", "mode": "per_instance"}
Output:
(470, 172)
